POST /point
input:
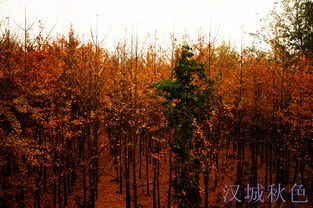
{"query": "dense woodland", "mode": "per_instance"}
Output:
(154, 126)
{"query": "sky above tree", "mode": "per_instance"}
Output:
(225, 18)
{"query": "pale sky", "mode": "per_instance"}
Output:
(225, 17)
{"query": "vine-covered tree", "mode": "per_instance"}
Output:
(187, 102)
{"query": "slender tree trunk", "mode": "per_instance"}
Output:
(64, 188)
(302, 165)
(134, 168)
(120, 164)
(238, 180)
(278, 164)
(147, 171)
(59, 189)
(84, 186)
(239, 161)
(206, 181)
(271, 164)
(158, 177)
(68, 167)
(126, 165)
(84, 167)
(206, 189)
(54, 192)
(169, 181)
(45, 178)
(216, 164)
(227, 147)
(140, 156)
(295, 171)
(38, 194)
(154, 183)
(22, 194)
(37, 191)
(266, 164)
(54, 180)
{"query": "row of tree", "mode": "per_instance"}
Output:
(207, 112)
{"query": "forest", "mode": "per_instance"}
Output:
(196, 124)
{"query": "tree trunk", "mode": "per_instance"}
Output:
(158, 178)
(154, 182)
(134, 168)
(147, 171)
(59, 189)
(140, 156)
(169, 181)
(120, 164)
(126, 165)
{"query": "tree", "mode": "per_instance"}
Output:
(186, 104)
(293, 27)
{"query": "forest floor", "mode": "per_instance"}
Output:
(109, 197)
(108, 189)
